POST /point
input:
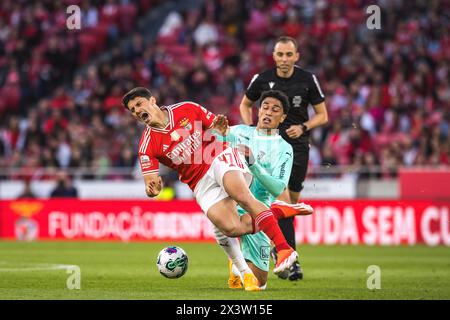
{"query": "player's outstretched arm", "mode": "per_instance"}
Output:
(275, 184)
(153, 185)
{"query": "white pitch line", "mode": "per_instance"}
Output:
(35, 267)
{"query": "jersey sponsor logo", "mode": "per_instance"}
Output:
(271, 84)
(296, 101)
(185, 148)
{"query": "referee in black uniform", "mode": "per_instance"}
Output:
(303, 89)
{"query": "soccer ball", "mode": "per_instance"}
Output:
(172, 262)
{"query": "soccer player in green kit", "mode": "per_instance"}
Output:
(270, 159)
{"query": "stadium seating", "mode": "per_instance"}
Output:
(388, 87)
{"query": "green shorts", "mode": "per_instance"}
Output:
(256, 249)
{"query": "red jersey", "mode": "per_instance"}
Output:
(184, 145)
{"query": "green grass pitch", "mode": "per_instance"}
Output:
(113, 270)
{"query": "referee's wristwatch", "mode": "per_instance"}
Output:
(304, 127)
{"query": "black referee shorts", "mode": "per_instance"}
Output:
(300, 165)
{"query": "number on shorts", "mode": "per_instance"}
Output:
(231, 160)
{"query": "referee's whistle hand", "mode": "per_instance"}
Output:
(294, 131)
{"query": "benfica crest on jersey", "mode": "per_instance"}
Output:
(185, 123)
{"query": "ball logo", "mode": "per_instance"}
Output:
(171, 250)
(179, 262)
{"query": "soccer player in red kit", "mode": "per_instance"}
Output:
(178, 136)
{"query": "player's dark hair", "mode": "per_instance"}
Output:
(286, 39)
(279, 95)
(134, 93)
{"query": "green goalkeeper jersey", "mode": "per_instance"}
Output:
(273, 161)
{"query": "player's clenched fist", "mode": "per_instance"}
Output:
(154, 187)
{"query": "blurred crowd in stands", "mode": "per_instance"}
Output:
(388, 90)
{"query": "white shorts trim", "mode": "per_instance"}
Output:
(209, 190)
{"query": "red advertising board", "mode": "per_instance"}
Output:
(334, 222)
(105, 220)
(425, 183)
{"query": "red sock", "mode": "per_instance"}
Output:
(277, 213)
(254, 226)
(266, 222)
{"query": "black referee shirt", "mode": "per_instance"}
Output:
(302, 88)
